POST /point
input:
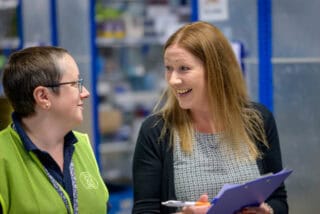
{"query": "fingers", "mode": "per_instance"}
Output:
(199, 209)
(195, 210)
(262, 209)
(203, 198)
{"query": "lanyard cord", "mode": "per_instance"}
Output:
(58, 188)
(74, 189)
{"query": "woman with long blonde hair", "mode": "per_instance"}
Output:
(205, 131)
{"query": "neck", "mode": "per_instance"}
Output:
(203, 122)
(43, 132)
(46, 136)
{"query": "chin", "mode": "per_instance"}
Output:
(79, 120)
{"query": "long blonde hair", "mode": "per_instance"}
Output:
(227, 93)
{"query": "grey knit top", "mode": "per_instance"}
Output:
(211, 165)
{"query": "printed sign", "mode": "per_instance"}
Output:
(213, 10)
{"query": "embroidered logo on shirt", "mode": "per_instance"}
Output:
(88, 181)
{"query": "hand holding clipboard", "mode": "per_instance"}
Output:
(233, 197)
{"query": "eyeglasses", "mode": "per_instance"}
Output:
(78, 82)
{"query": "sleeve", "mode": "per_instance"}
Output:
(147, 169)
(271, 161)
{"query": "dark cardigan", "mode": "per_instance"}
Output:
(153, 172)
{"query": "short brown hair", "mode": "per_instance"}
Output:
(27, 69)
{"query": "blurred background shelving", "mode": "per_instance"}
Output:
(9, 37)
(118, 47)
(129, 72)
(130, 36)
(10, 40)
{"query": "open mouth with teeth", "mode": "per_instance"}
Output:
(183, 91)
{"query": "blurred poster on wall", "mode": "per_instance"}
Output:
(213, 10)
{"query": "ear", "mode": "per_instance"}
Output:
(41, 97)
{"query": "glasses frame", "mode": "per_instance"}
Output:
(79, 83)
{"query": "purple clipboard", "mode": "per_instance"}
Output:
(233, 197)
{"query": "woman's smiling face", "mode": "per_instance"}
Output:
(68, 105)
(185, 75)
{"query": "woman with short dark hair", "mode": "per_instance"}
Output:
(45, 167)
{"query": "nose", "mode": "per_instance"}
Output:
(173, 78)
(85, 93)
